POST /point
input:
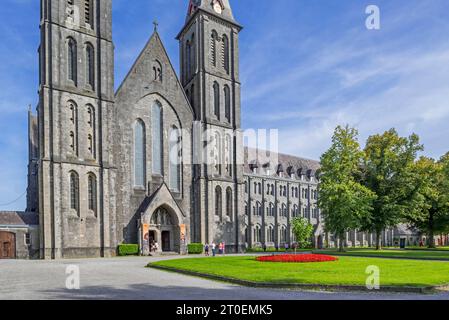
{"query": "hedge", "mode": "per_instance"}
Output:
(195, 248)
(128, 250)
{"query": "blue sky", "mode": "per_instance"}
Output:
(306, 66)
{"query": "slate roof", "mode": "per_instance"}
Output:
(17, 218)
(278, 162)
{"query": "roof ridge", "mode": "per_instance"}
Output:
(282, 153)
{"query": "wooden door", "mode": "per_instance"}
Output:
(166, 241)
(7, 245)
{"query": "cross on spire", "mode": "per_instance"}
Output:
(156, 24)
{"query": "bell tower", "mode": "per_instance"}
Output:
(210, 76)
(76, 96)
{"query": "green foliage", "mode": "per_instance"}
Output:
(128, 249)
(388, 173)
(303, 230)
(431, 212)
(195, 248)
(343, 200)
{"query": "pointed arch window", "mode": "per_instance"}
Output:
(139, 154)
(91, 131)
(217, 100)
(175, 159)
(225, 53)
(227, 97)
(228, 155)
(283, 234)
(91, 116)
(229, 202)
(74, 192)
(90, 65)
(156, 114)
(270, 234)
(73, 133)
(217, 153)
(72, 60)
(92, 193)
(218, 202)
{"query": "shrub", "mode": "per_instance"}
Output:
(195, 248)
(128, 250)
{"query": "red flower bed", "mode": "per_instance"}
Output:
(303, 258)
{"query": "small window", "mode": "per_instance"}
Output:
(227, 96)
(157, 71)
(28, 239)
(92, 192)
(216, 89)
(72, 60)
(74, 192)
(90, 66)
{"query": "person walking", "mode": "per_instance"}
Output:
(214, 248)
(206, 249)
(220, 248)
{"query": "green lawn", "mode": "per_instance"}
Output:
(427, 249)
(346, 271)
(392, 253)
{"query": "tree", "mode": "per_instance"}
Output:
(343, 200)
(303, 230)
(388, 172)
(431, 215)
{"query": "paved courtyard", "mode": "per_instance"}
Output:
(127, 278)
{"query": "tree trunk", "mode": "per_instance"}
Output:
(431, 234)
(378, 242)
(341, 246)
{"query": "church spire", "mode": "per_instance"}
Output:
(218, 7)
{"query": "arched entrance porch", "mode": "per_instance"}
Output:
(164, 232)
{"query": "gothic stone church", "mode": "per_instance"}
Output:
(122, 167)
